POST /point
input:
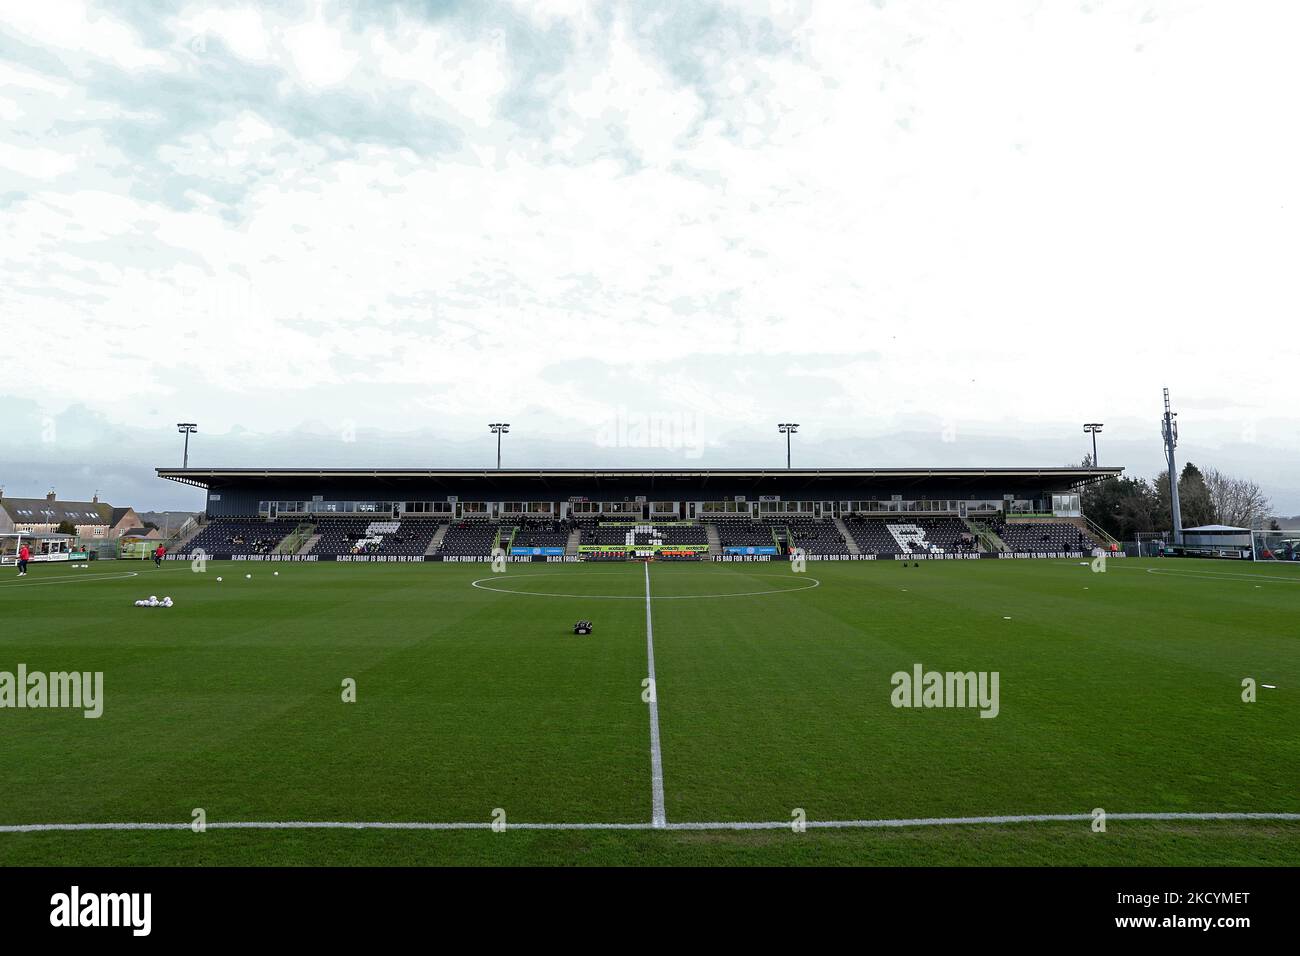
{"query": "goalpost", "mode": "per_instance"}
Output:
(1275, 545)
(44, 546)
(10, 542)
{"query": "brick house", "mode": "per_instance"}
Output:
(93, 520)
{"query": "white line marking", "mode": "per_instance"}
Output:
(72, 578)
(628, 597)
(658, 817)
(716, 825)
(1212, 575)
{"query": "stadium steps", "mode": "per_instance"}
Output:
(1094, 531)
(988, 540)
(182, 541)
(294, 541)
(843, 529)
(575, 539)
(715, 543)
(436, 543)
(308, 544)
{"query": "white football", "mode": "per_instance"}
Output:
(248, 575)
(218, 578)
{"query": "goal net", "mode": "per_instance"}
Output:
(1276, 545)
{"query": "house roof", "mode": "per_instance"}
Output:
(44, 511)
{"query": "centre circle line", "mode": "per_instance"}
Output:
(632, 597)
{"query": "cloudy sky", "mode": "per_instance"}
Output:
(644, 233)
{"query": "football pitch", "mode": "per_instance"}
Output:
(483, 731)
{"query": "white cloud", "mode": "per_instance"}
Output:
(1015, 221)
(468, 78)
(35, 162)
(319, 53)
(72, 26)
(243, 30)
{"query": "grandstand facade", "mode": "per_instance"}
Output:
(614, 514)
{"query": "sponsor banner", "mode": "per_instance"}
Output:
(589, 548)
(840, 557)
(742, 557)
(380, 558)
(643, 524)
(547, 551)
(1209, 551)
(487, 558)
(961, 556)
(223, 556)
(1020, 555)
(756, 549)
(564, 558)
(270, 557)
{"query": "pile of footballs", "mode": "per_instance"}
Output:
(154, 602)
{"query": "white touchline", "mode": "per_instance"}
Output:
(658, 816)
(715, 825)
(74, 579)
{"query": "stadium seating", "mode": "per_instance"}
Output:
(742, 532)
(672, 534)
(909, 535)
(408, 537)
(1038, 537)
(614, 532)
(532, 533)
(470, 537)
(816, 536)
(240, 536)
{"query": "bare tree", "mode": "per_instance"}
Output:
(1237, 501)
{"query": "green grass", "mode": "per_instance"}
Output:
(1119, 690)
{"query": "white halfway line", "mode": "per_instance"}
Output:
(658, 817)
(718, 825)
